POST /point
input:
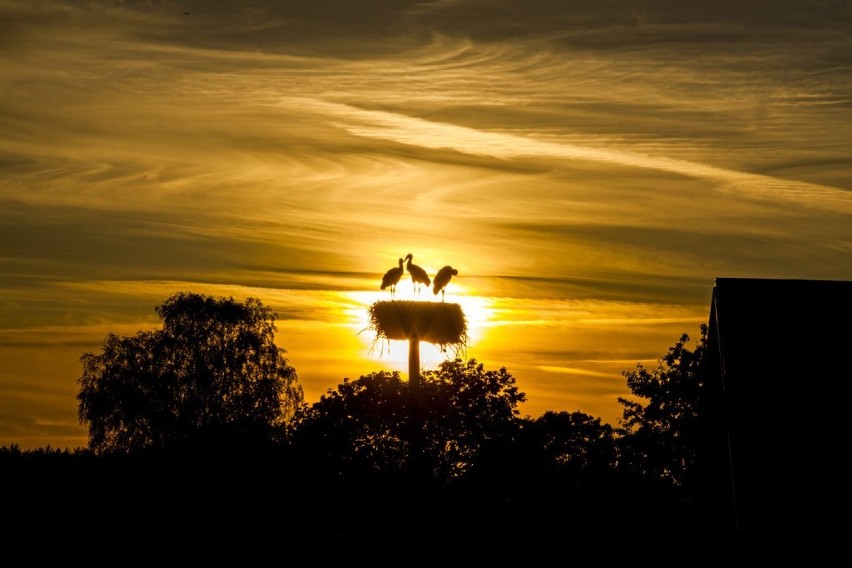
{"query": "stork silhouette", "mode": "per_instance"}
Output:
(418, 275)
(391, 278)
(442, 278)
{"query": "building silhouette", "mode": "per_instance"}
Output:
(777, 431)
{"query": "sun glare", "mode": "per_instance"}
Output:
(393, 354)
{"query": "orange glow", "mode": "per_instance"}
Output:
(394, 354)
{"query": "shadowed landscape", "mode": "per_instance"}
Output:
(199, 436)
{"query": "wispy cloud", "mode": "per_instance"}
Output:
(418, 132)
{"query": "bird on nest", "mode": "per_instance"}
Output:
(442, 278)
(418, 275)
(391, 278)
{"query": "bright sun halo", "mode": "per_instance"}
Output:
(394, 354)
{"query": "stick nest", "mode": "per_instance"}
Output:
(441, 323)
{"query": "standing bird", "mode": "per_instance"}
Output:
(391, 278)
(418, 275)
(442, 279)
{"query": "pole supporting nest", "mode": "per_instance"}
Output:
(439, 323)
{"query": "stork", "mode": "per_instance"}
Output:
(418, 275)
(391, 278)
(442, 278)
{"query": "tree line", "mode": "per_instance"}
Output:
(207, 412)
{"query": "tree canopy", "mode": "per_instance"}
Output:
(363, 427)
(659, 433)
(212, 372)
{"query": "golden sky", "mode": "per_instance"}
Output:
(589, 167)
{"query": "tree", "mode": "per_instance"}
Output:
(556, 452)
(467, 407)
(363, 427)
(212, 372)
(660, 437)
(356, 430)
(573, 445)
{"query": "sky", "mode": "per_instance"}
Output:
(588, 167)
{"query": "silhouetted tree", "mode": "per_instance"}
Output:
(361, 428)
(466, 406)
(213, 372)
(572, 445)
(356, 429)
(660, 428)
(558, 457)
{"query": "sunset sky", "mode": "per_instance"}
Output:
(588, 166)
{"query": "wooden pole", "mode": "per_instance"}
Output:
(414, 366)
(435, 322)
(416, 416)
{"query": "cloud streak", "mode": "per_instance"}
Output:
(413, 131)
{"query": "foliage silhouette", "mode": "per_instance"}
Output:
(573, 445)
(357, 429)
(361, 429)
(212, 374)
(559, 460)
(345, 461)
(661, 436)
(466, 406)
